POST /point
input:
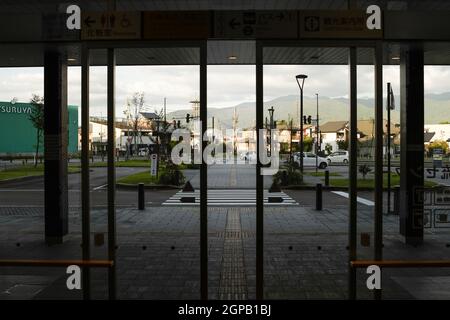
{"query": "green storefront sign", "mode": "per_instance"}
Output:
(17, 134)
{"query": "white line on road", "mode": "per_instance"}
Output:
(100, 187)
(359, 199)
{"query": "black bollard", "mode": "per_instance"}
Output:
(396, 200)
(327, 178)
(318, 196)
(141, 196)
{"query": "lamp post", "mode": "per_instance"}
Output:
(300, 81)
(317, 129)
(271, 110)
(390, 106)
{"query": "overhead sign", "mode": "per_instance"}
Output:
(176, 25)
(110, 25)
(256, 24)
(336, 24)
(154, 164)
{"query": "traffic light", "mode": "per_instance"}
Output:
(179, 124)
(274, 124)
(307, 119)
(188, 116)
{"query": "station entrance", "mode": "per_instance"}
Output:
(234, 229)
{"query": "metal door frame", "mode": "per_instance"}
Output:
(110, 47)
(352, 45)
(202, 46)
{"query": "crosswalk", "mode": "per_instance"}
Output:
(230, 198)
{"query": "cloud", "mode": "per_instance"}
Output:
(228, 85)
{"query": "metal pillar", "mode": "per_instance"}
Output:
(352, 173)
(388, 129)
(111, 174)
(85, 201)
(378, 241)
(259, 177)
(412, 148)
(203, 177)
(55, 142)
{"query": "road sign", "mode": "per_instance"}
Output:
(437, 157)
(256, 24)
(176, 25)
(110, 25)
(154, 164)
(335, 24)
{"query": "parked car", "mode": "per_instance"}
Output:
(340, 156)
(248, 156)
(309, 160)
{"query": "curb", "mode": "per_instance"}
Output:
(126, 186)
(28, 178)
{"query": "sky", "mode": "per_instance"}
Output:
(228, 85)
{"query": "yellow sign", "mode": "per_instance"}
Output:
(336, 24)
(110, 25)
(176, 25)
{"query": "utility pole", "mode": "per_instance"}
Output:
(165, 100)
(317, 129)
(390, 106)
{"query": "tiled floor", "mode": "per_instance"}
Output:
(305, 255)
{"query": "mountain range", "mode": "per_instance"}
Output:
(437, 110)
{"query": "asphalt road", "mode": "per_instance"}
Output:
(31, 192)
(240, 176)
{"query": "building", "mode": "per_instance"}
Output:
(441, 132)
(19, 136)
(124, 133)
(332, 132)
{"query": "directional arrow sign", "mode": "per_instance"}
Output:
(110, 25)
(88, 21)
(234, 23)
(256, 24)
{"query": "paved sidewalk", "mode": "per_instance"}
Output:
(158, 255)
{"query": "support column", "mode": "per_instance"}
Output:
(412, 148)
(353, 147)
(259, 177)
(203, 175)
(378, 223)
(85, 186)
(55, 142)
(112, 277)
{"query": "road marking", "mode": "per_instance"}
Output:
(100, 187)
(359, 199)
(229, 197)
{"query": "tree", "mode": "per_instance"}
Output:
(438, 144)
(307, 144)
(37, 119)
(163, 136)
(364, 169)
(134, 108)
(342, 144)
(328, 148)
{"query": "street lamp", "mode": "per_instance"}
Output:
(271, 110)
(317, 129)
(300, 81)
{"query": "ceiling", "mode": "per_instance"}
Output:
(219, 53)
(33, 6)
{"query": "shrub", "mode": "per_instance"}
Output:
(288, 177)
(364, 169)
(170, 175)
